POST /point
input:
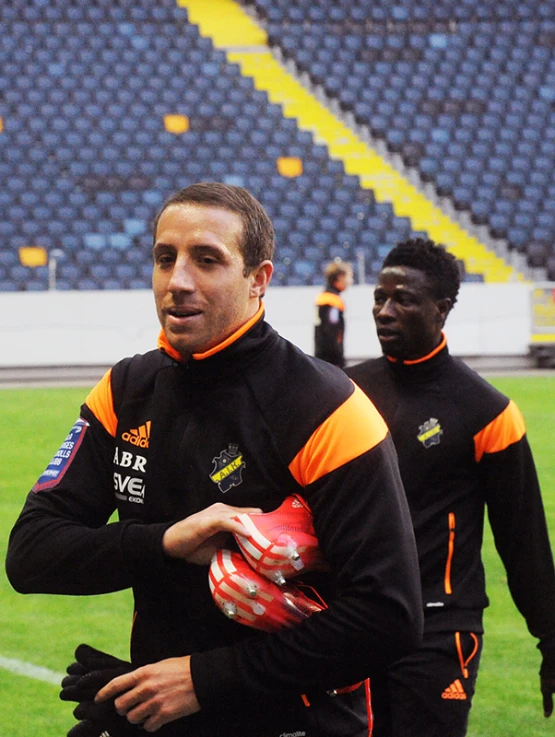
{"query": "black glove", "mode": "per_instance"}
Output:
(92, 670)
(547, 674)
(547, 686)
(88, 728)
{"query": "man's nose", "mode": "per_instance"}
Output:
(182, 279)
(385, 310)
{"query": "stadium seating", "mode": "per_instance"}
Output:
(460, 91)
(106, 108)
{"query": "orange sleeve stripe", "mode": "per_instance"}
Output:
(327, 299)
(101, 403)
(353, 429)
(506, 429)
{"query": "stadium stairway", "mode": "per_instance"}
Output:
(245, 43)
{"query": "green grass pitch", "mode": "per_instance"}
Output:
(44, 630)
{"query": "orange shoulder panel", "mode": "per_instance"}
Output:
(101, 403)
(327, 299)
(354, 428)
(507, 428)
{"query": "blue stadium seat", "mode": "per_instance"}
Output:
(445, 184)
(85, 257)
(8, 258)
(499, 225)
(94, 240)
(68, 271)
(462, 198)
(145, 271)
(304, 270)
(139, 283)
(125, 272)
(8, 285)
(119, 240)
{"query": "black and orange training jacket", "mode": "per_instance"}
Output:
(462, 448)
(329, 328)
(247, 423)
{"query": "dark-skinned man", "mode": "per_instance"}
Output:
(462, 448)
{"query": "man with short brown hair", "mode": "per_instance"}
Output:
(232, 419)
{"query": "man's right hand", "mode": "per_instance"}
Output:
(154, 694)
(196, 538)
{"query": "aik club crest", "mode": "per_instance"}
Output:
(228, 468)
(430, 433)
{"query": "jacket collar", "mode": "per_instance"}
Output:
(164, 345)
(422, 359)
(244, 345)
(423, 368)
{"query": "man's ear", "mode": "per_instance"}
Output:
(260, 278)
(444, 306)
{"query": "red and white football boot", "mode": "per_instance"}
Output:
(248, 598)
(281, 543)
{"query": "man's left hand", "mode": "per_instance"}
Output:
(196, 538)
(154, 694)
(547, 686)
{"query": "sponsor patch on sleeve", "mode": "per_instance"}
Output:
(58, 466)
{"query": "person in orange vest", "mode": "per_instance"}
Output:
(329, 329)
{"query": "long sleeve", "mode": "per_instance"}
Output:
(518, 522)
(61, 542)
(363, 524)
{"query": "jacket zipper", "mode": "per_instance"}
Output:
(450, 551)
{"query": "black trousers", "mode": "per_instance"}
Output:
(429, 694)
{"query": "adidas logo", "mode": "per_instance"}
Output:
(138, 437)
(454, 691)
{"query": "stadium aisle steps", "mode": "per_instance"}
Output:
(234, 31)
(225, 22)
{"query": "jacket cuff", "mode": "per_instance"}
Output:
(215, 677)
(547, 669)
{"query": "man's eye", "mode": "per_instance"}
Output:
(207, 260)
(164, 260)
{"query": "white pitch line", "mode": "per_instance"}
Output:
(31, 671)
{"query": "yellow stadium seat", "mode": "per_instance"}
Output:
(33, 256)
(176, 123)
(290, 166)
